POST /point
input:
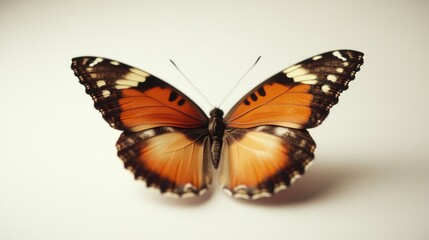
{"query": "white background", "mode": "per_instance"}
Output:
(60, 177)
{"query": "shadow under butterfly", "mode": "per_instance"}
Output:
(260, 147)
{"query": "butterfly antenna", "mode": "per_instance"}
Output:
(189, 81)
(238, 82)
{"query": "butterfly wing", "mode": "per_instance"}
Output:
(133, 100)
(300, 96)
(176, 161)
(258, 162)
(266, 145)
(165, 133)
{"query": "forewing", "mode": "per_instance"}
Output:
(300, 96)
(133, 100)
(261, 161)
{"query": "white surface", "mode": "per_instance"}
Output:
(59, 174)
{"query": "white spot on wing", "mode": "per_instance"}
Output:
(240, 187)
(338, 55)
(305, 77)
(326, 88)
(122, 86)
(139, 72)
(127, 82)
(241, 195)
(291, 68)
(260, 128)
(294, 178)
(311, 82)
(147, 134)
(169, 129)
(227, 191)
(297, 72)
(114, 63)
(317, 57)
(280, 131)
(170, 194)
(280, 187)
(105, 93)
(261, 195)
(332, 78)
(204, 190)
(188, 187)
(340, 70)
(308, 165)
(96, 61)
(135, 77)
(188, 195)
(101, 83)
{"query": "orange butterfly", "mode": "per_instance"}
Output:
(260, 147)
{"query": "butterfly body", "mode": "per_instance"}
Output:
(259, 148)
(216, 129)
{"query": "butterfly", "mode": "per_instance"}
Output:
(260, 147)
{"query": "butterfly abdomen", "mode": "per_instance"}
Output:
(216, 129)
(216, 148)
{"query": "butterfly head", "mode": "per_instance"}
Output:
(216, 112)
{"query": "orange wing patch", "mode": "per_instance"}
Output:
(253, 158)
(281, 105)
(176, 162)
(264, 160)
(141, 110)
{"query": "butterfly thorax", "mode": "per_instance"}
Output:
(216, 128)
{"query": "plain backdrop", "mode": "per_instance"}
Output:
(60, 177)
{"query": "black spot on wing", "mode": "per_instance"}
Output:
(181, 102)
(173, 96)
(261, 92)
(253, 97)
